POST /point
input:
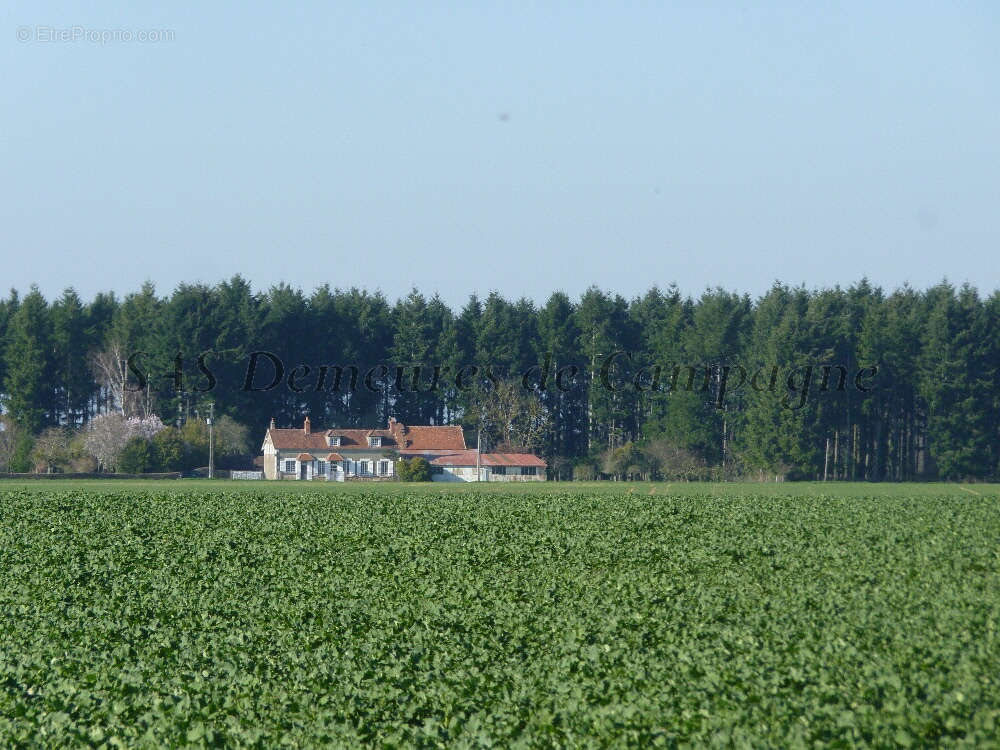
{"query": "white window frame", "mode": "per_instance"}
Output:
(384, 467)
(334, 440)
(290, 462)
(320, 468)
(375, 441)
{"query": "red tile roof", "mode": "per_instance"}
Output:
(468, 458)
(359, 438)
(334, 457)
(425, 452)
(398, 437)
(295, 439)
(305, 457)
(429, 437)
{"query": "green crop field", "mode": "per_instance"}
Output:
(249, 614)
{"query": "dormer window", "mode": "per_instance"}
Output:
(375, 441)
(334, 440)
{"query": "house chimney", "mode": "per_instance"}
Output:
(392, 422)
(272, 424)
(305, 426)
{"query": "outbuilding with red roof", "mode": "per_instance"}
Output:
(472, 466)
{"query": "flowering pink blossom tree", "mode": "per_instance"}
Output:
(107, 435)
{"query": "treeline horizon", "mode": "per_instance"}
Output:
(928, 406)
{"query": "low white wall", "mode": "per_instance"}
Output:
(459, 474)
(468, 474)
(246, 475)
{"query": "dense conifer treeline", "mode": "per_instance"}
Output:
(843, 383)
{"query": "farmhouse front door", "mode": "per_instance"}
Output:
(302, 470)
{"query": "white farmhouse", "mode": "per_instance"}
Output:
(338, 454)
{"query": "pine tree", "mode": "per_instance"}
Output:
(414, 341)
(7, 309)
(73, 378)
(29, 390)
(556, 351)
(955, 383)
(236, 329)
(605, 329)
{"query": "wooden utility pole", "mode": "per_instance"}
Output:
(836, 445)
(211, 442)
(479, 444)
(724, 446)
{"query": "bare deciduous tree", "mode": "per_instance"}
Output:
(511, 416)
(10, 433)
(670, 461)
(231, 437)
(533, 422)
(51, 451)
(111, 370)
(504, 409)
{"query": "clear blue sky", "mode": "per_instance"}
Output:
(476, 146)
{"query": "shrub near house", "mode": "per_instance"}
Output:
(414, 469)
